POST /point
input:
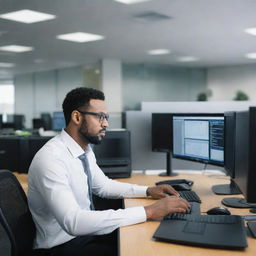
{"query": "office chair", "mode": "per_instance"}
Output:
(15, 216)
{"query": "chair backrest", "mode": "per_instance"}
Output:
(15, 216)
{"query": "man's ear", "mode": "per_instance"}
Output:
(76, 117)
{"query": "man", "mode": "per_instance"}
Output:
(63, 175)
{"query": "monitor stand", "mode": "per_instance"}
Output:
(168, 166)
(226, 189)
(237, 202)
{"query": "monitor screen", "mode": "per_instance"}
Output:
(46, 121)
(199, 137)
(116, 144)
(58, 121)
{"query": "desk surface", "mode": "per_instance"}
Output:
(137, 239)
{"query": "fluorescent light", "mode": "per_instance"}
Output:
(80, 37)
(16, 48)
(27, 16)
(39, 61)
(251, 31)
(251, 55)
(6, 65)
(159, 51)
(187, 59)
(131, 1)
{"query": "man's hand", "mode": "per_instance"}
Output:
(161, 191)
(164, 206)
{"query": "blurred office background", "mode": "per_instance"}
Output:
(138, 51)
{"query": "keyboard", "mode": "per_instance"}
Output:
(190, 196)
(215, 231)
(252, 227)
(208, 219)
(194, 210)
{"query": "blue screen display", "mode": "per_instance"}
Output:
(58, 121)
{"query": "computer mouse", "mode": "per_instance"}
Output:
(218, 211)
(181, 187)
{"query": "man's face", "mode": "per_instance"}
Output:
(93, 129)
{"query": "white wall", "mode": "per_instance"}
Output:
(225, 81)
(40, 92)
(112, 88)
(24, 97)
(160, 83)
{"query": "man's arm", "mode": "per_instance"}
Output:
(161, 191)
(166, 205)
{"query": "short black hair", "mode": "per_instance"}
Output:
(79, 97)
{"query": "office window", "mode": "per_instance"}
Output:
(6, 100)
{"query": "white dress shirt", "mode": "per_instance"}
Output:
(58, 195)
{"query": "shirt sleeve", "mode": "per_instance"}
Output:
(54, 187)
(108, 188)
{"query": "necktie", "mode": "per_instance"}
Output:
(87, 171)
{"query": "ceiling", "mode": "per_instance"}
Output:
(210, 30)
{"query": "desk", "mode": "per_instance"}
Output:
(136, 240)
(23, 179)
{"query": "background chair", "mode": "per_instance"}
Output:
(15, 216)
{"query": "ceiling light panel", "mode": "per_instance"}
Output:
(27, 16)
(159, 52)
(187, 59)
(80, 37)
(131, 1)
(16, 48)
(6, 65)
(251, 55)
(251, 31)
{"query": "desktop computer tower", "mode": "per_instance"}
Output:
(113, 155)
(16, 153)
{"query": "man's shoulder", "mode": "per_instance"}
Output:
(52, 156)
(52, 150)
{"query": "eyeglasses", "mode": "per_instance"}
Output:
(101, 116)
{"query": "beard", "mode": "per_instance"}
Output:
(92, 139)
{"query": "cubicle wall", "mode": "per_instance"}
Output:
(139, 123)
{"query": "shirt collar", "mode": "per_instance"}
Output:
(73, 147)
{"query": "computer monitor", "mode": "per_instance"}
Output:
(58, 121)
(113, 154)
(37, 123)
(229, 156)
(161, 138)
(46, 121)
(15, 122)
(245, 161)
(199, 137)
(19, 121)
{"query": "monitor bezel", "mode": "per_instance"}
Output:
(245, 179)
(162, 149)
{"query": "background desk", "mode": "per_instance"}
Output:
(137, 239)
